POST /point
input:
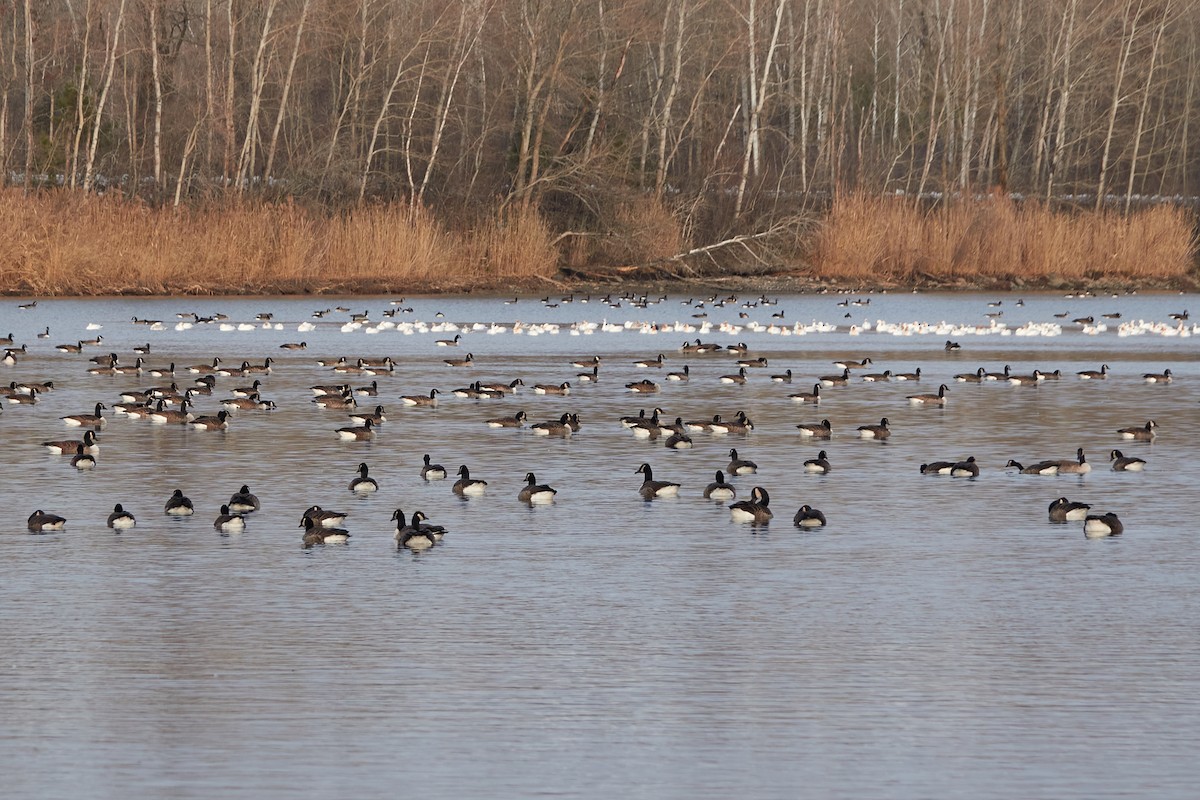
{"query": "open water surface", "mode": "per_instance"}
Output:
(940, 638)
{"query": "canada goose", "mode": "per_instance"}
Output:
(39, 521)
(503, 388)
(71, 447)
(688, 347)
(877, 377)
(584, 363)
(142, 349)
(908, 376)
(880, 431)
(203, 385)
(678, 441)
(1056, 375)
(265, 369)
(294, 346)
(136, 369)
(1099, 525)
(938, 399)
(808, 397)
(372, 366)
(21, 398)
(651, 488)
(739, 378)
(82, 459)
(821, 430)
(754, 510)
(205, 369)
(449, 342)
(377, 416)
(515, 421)
(741, 348)
(1143, 434)
(323, 518)
(937, 468)
(1093, 374)
(1088, 320)
(1179, 317)
(978, 376)
(1003, 375)
(644, 427)
(536, 493)
(1124, 463)
(1026, 380)
(819, 465)
(30, 387)
(594, 376)
(786, 377)
(753, 363)
(1063, 510)
(836, 380)
(642, 387)
(246, 391)
(852, 364)
(1040, 468)
(561, 390)
(965, 469)
(416, 536)
(371, 390)
(431, 471)
(8, 339)
(466, 485)
(740, 425)
(657, 362)
(43, 335)
(336, 402)
(719, 489)
(808, 517)
(241, 403)
(683, 375)
(357, 368)
(363, 483)
(362, 433)
(421, 400)
(560, 427)
(93, 342)
(178, 505)
(1157, 377)
(219, 422)
(315, 534)
(1077, 467)
(120, 518)
(740, 466)
(94, 420)
(469, 360)
(243, 501)
(324, 389)
(952, 346)
(162, 415)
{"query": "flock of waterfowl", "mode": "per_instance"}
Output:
(173, 402)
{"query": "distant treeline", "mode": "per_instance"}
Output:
(638, 129)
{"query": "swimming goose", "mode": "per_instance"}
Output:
(754, 510)
(243, 501)
(536, 493)
(741, 348)
(377, 416)
(246, 403)
(719, 489)
(336, 389)
(11, 395)
(357, 434)
(698, 425)
(421, 400)
(952, 346)
(364, 483)
(877, 377)
(515, 421)
(246, 391)
(978, 376)
(937, 468)
(82, 459)
(468, 361)
(466, 485)
(678, 441)
(594, 376)
(205, 369)
(740, 466)
(294, 346)
(852, 364)
(593, 362)
(561, 390)
(965, 469)
(368, 391)
(908, 376)
(161, 415)
(229, 523)
(503, 388)
(836, 380)
(69, 348)
(642, 387)
(1093, 374)
(1124, 463)
(1157, 377)
(651, 488)
(683, 375)
(657, 362)
(560, 427)
(71, 446)
(219, 422)
(1077, 467)
(39, 521)
(808, 517)
(819, 465)
(1063, 510)
(431, 471)
(178, 505)
(315, 534)
(1026, 380)
(449, 342)
(1056, 375)
(31, 387)
(821, 430)
(1003, 375)
(786, 377)
(336, 402)
(416, 536)
(1099, 525)
(752, 363)
(808, 397)
(323, 518)
(44, 334)
(739, 378)
(136, 369)
(740, 424)
(94, 420)
(880, 431)
(120, 519)
(1143, 434)
(938, 399)
(1040, 468)
(644, 427)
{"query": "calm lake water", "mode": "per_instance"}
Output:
(940, 638)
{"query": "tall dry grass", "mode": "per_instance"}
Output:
(869, 239)
(69, 243)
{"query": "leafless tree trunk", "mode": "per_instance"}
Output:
(1140, 128)
(113, 44)
(757, 98)
(268, 170)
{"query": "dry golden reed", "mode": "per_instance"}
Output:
(870, 239)
(68, 243)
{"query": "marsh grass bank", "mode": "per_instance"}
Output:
(60, 243)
